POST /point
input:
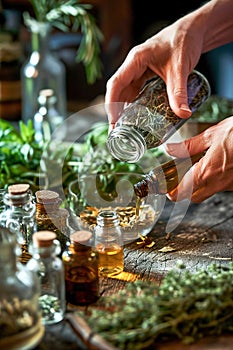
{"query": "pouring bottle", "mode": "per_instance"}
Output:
(149, 121)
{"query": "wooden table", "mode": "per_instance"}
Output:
(204, 236)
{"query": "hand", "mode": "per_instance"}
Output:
(214, 172)
(172, 54)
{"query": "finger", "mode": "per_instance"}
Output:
(177, 93)
(191, 146)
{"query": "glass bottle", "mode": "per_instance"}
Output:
(149, 121)
(81, 270)
(19, 216)
(50, 217)
(47, 119)
(109, 243)
(20, 316)
(166, 177)
(42, 70)
(50, 270)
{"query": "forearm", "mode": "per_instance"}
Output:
(215, 19)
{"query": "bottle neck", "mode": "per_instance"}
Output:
(50, 252)
(166, 177)
(18, 199)
(39, 37)
(79, 248)
(126, 144)
(108, 218)
(43, 208)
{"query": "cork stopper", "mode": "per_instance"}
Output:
(47, 196)
(81, 237)
(18, 189)
(44, 239)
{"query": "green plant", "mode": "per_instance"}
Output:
(71, 15)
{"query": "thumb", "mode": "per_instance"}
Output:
(189, 147)
(178, 96)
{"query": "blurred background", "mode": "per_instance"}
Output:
(124, 24)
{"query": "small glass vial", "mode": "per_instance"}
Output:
(50, 217)
(49, 268)
(20, 316)
(81, 270)
(149, 121)
(19, 215)
(47, 119)
(109, 243)
(165, 178)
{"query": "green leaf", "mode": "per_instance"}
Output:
(70, 14)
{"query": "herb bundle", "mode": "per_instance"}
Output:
(186, 305)
(70, 14)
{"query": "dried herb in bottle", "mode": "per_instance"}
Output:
(49, 268)
(149, 121)
(19, 215)
(50, 217)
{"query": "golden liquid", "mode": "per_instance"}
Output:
(139, 202)
(111, 259)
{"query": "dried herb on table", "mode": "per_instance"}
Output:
(186, 305)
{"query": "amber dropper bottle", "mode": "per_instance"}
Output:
(165, 178)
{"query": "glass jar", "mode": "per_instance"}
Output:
(42, 70)
(19, 215)
(20, 317)
(49, 268)
(50, 217)
(109, 243)
(81, 270)
(149, 121)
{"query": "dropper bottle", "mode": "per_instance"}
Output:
(165, 178)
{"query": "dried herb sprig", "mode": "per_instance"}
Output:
(186, 305)
(71, 15)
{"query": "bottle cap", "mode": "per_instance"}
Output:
(81, 237)
(47, 196)
(44, 238)
(18, 189)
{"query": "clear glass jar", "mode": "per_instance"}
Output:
(47, 118)
(81, 270)
(149, 121)
(50, 217)
(109, 243)
(19, 215)
(42, 70)
(20, 317)
(49, 268)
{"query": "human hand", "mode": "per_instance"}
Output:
(214, 171)
(172, 54)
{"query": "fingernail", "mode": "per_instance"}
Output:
(185, 107)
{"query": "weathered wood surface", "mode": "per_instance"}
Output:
(204, 236)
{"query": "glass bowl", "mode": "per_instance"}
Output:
(91, 193)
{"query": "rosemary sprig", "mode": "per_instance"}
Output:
(186, 305)
(71, 15)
